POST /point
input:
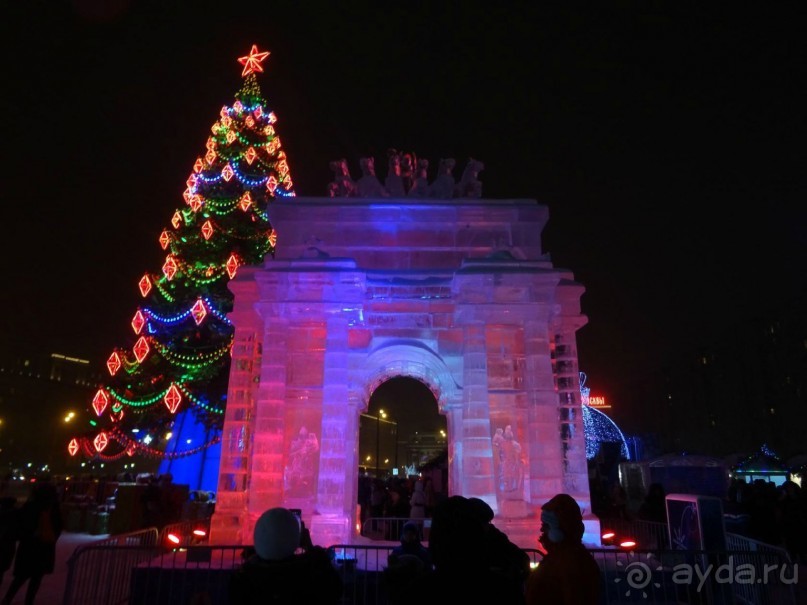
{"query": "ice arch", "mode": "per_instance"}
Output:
(412, 359)
(455, 293)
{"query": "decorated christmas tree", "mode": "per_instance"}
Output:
(166, 393)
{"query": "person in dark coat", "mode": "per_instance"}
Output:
(277, 574)
(505, 558)
(39, 527)
(462, 573)
(8, 533)
(568, 573)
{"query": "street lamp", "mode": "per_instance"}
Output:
(381, 413)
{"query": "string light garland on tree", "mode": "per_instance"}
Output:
(178, 361)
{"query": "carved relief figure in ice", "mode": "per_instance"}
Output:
(301, 466)
(512, 471)
(498, 438)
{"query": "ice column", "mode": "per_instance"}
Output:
(236, 448)
(477, 453)
(545, 473)
(332, 490)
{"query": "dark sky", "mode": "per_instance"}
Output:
(666, 139)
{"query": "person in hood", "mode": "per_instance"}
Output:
(568, 573)
(281, 572)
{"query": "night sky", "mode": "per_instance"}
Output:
(666, 139)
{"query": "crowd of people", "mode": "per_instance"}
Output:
(760, 510)
(772, 514)
(467, 559)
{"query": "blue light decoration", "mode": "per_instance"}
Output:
(598, 427)
(764, 464)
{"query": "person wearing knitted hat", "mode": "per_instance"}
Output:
(280, 571)
(568, 573)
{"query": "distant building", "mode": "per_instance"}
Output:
(36, 394)
(745, 388)
(421, 448)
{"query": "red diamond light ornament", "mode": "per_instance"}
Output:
(138, 321)
(72, 447)
(141, 349)
(199, 311)
(227, 173)
(165, 239)
(100, 401)
(250, 155)
(176, 220)
(207, 230)
(169, 268)
(198, 165)
(210, 156)
(113, 363)
(232, 265)
(145, 285)
(245, 202)
(172, 398)
(100, 442)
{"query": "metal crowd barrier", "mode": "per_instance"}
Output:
(97, 572)
(648, 534)
(185, 533)
(154, 575)
(389, 528)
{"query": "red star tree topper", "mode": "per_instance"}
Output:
(252, 62)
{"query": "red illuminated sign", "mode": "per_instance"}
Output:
(598, 401)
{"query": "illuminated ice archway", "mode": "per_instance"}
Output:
(410, 359)
(457, 294)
